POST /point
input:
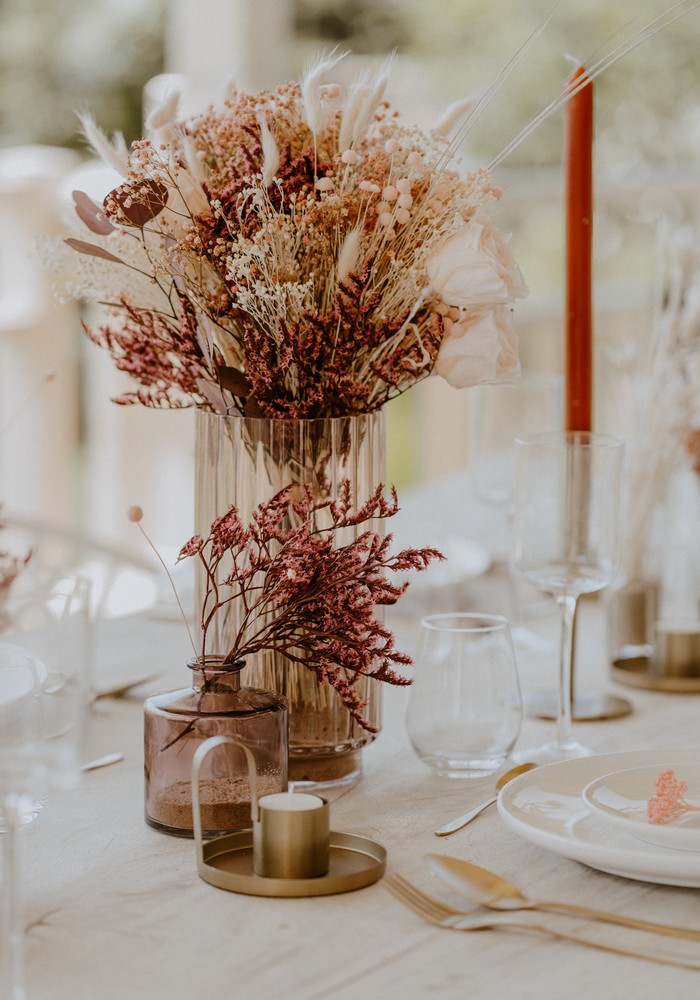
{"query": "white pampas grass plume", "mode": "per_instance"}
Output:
(314, 111)
(349, 255)
(358, 98)
(164, 113)
(114, 153)
(452, 114)
(191, 194)
(196, 167)
(271, 153)
(364, 99)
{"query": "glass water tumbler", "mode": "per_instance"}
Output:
(176, 723)
(465, 708)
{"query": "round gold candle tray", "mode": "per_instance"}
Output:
(588, 706)
(637, 672)
(227, 862)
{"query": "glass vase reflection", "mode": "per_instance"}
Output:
(177, 723)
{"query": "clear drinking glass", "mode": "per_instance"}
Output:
(465, 709)
(44, 694)
(566, 533)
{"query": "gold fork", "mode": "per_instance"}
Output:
(442, 915)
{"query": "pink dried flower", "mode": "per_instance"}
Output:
(669, 801)
(303, 596)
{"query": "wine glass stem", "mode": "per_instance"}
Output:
(12, 958)
(564, 737)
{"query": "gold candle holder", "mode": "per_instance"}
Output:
(676, 649)
(289, 851)
(291, 832)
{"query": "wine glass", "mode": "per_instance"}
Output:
(465, 711)
(44, 693)
(566, 532)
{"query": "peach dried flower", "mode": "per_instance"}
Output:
(669, 801)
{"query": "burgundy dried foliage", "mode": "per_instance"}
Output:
(305, 597)
(309, 368)
(162, 355)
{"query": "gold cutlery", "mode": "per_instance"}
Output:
(490, 890)
(438, 913)
(461, 821)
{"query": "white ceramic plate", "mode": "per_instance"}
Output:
(621, 798)
(545, 807)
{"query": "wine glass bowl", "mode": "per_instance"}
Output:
(566, 534)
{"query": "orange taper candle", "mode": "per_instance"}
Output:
(579, 228)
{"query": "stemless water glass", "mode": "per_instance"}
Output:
(566, 531)
(465, 709)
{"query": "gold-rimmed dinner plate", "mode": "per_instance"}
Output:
(545, 807)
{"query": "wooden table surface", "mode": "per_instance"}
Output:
(116, 910)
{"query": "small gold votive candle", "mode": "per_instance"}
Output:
(676, 648)
(291, 838)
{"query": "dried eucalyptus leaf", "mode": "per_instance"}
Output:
(252, 408)
(139, 203)
(91, 214)
(233, 380)
(214, 396)
(93, 251)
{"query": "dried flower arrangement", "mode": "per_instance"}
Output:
(669, 802)
(294, 253)
(303, 595)
(302, 253)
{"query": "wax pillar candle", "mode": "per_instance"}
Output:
(579, 228)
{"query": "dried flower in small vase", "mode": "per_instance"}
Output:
(304, 595)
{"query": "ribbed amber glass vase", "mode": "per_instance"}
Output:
(244, 461)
